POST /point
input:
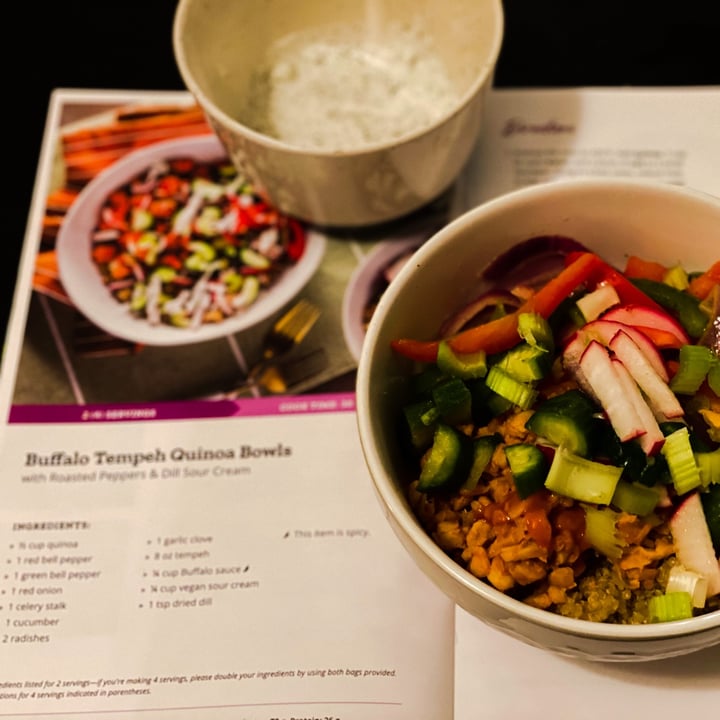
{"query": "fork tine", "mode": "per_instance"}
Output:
(287, 318)
(304, 322)
(298, 321)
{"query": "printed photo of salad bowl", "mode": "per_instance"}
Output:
(368, 282)
(538, 399)
(169, 246)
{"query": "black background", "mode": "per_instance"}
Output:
(127, 45)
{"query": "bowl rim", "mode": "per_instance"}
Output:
(180, 21)
(366, 272)
(403, 515)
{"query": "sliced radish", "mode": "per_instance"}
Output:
(573, 351)
(598, 369)
(693, 544)
(652, 438)
(604, 330)
(659, 396)
(641, 316)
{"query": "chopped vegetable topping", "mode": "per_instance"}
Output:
(568, 449)
(188, 243)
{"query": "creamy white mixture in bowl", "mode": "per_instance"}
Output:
(342, 113)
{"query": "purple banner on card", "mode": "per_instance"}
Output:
(144, 412)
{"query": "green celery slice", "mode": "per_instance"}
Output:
(526, 363)
(601, 531)
(695, 361)
(681, 579)
(678, 453)
(582, 479)
(466, 366)
(713, 376)
(709, 465)
(635, 498)
(518, 393)
(670, 606)
(536, 331)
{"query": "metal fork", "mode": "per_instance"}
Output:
(289, 330)
(277, 377)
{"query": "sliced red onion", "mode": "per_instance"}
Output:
(465, 316)
(532, 261)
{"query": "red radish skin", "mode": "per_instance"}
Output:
(599, 371)
(640, 316)
(604, 331)
(693, 544)
(652, 439)
(659, 396)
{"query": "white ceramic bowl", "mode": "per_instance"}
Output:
(357, 59)
(613, 217)
(82, 280)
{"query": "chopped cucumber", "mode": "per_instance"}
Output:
(486, 404)
(682, 305)
(448, 460)
(528, 466)
(423, 382)
(483, 449)
(566, 420)
(453, 401)
(420, 432)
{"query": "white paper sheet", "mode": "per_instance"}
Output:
(260, 583)
(663, 134)
(106, 604)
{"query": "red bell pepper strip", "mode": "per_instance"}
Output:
(501, 334)
(628, 293)
(637, 267)
(701, 285)
(296, 240)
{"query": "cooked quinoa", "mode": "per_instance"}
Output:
(534, 549)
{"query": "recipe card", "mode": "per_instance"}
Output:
(172, 549)
(211, 568)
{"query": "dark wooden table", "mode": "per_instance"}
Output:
(127, 45)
